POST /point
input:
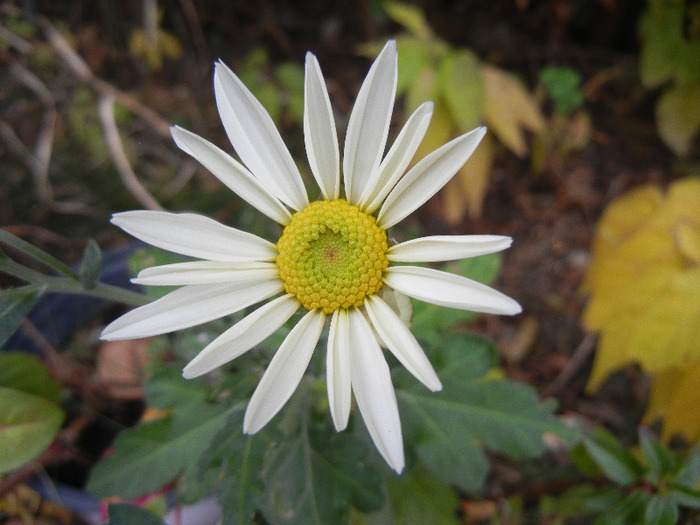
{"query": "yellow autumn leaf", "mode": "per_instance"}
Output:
(675, 398)
(465, 193)
(644, 281)
(508, 107)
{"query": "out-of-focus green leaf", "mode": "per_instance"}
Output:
(90, 265)
(629, 510)
(419, 498)
(127, 514)
(460, 83)
(27, 373)
(689, 474)
(678, 117)
(563, 87)
(28, 424)
(660, 31)
(684, 496)
(615, 462)
(410, 17)
(414, 57)
(657, 456)
(15, 305)
(661, 510)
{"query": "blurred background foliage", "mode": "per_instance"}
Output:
(591, 163)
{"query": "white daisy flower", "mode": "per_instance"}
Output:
(332, 261)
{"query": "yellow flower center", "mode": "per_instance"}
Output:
(332, 255)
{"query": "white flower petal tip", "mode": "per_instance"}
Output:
(256, 140)
(374, 392)
(446, 289)
(368, 125)
(427, 177)
(447, 248)
(401, 342)
(284, 372)
(320, 135)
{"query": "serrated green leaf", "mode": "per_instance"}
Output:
(629, 510)
(313, 477)
(461, 86)
(616, 463)
(28, 424)
(90, 265)
(28, 374)
(657, 456)
(152, 454)
(661, 510)
(127, 514)
(450, 429)
(15, 305)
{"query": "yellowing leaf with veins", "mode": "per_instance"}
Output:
(644, 281)
(508, 107)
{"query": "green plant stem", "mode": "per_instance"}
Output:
(36, 254)
(72, 286)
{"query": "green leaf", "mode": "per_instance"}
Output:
(657, 456)
(28, 424)
(15, 305)
(460, 83)
(414, 57)
(661, 510)
(678, 117)
(152, 454)
(689, 474)
(27, 373)
(629, 510)
(410, 17)
(419, 498)
(685, 496)
(616, 463)
(450, 429)
(90, 265)
(314, 476)
(127, 514)
(234, 461)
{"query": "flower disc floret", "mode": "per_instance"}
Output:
(332, 255)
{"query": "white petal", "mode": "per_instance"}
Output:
(320, 134)
(398, 158)
(205, 272)
(427, 177)
(231, 173)
(284, 372)
(446, 289)
(368, 126)
(190, 306)
(376, 399)
(401, 342)
(256, 139)
(338, 369)
(194, 235)
(244, 335)
(447, 247)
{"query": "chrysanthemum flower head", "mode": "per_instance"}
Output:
(333, 261)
